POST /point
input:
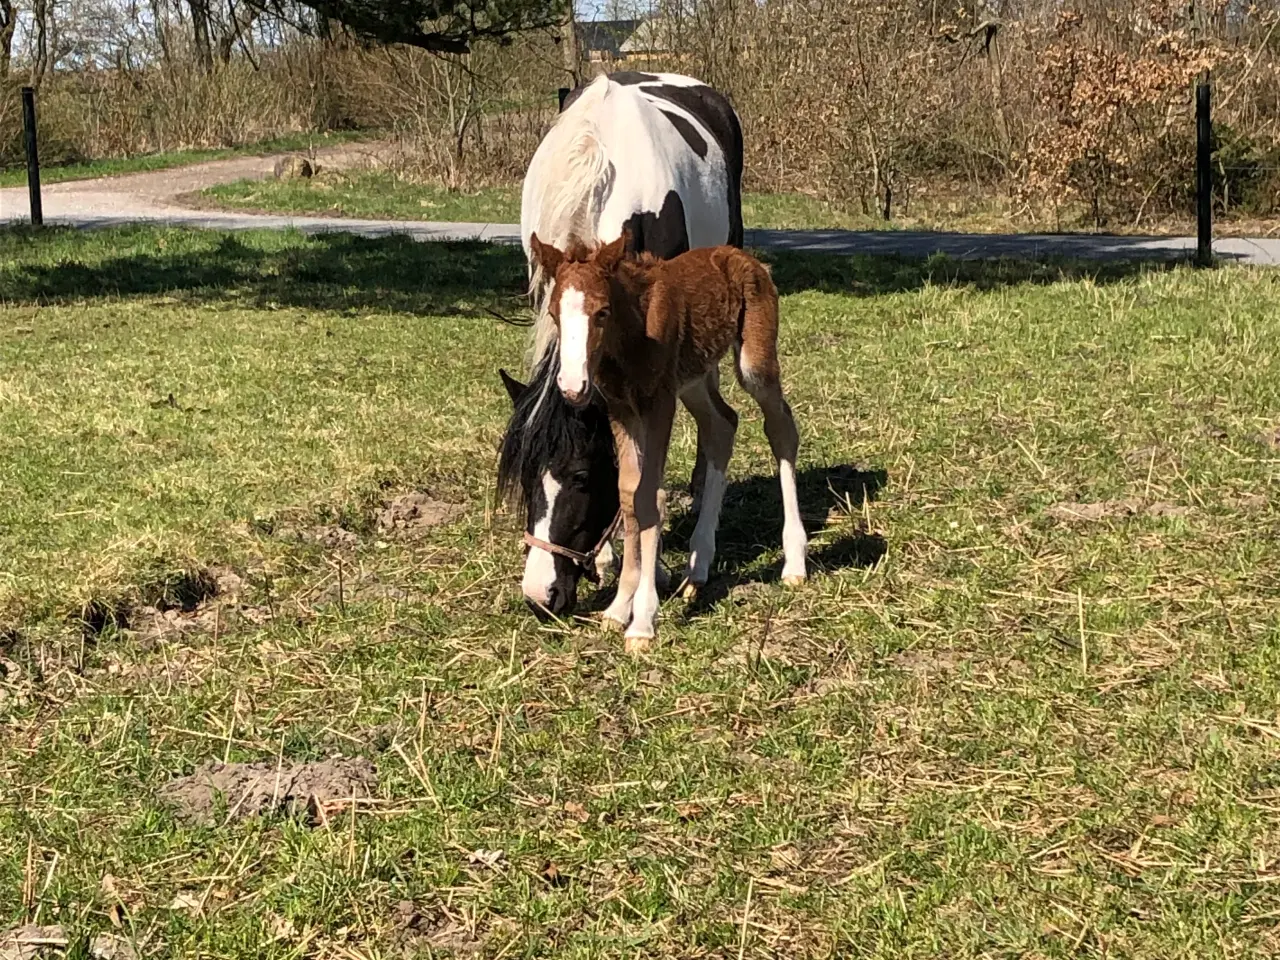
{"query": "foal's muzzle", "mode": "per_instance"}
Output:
(576, 395)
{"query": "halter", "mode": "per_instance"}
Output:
(585, 561)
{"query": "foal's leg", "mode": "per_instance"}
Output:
(717, 425)
(653, 459)
(618, 613)
(698, 478)
(759, 377)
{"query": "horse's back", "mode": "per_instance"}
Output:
(673, 147)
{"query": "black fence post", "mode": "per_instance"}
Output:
(564, 92)
(33, 155)
(1204, 174)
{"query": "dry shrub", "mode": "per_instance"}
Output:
(178, 105)
(1112, 128)
(1084, 108)
(456, 120)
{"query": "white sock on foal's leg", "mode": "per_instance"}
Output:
(644, 609)
(794, 541)
(702, 545)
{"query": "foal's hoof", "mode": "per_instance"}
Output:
(610, 625)
(690, 590)
(794, 580)
(637, 645)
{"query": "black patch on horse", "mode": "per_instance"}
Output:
(715, 114)
(663, 234)
(573, 95)
(689, 132)
(629, 78)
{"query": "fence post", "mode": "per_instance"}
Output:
(564, 92)
(1204, 174)
(33, 155)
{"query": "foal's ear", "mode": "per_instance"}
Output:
(515, 389)
(545, 255)
(611, 254)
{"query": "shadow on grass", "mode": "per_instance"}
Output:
(328, 271)
(751, 528)
(335, 271)
(868, 275)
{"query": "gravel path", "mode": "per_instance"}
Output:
(151, 198)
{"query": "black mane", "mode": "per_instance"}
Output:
(545, 429)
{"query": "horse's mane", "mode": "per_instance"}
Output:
(544, 429)
(574, 181)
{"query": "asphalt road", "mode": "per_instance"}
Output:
(151, 198)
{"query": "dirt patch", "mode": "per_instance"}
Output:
(1246, 502)
(267, 787)
(38, 943)
(411, 514)
(1113, 510)
(186, 589)
(327, 536)
(929, 663)
(1142, 456)
(427, 930)
(215, 605)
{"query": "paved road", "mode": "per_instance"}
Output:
(152, 198)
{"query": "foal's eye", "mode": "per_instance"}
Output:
(602, 315)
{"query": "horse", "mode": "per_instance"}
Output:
(638, 332)
(660, 154)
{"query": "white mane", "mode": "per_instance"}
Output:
(571, 173)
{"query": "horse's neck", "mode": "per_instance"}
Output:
(632, 352)
(629, 298)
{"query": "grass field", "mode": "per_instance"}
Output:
(1026, 706)
(385, 196)
(57, 173)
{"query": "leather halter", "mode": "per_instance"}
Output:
(585, 561)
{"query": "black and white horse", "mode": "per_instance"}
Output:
(662, 155)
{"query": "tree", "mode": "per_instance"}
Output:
(8, 23)
(441, 26)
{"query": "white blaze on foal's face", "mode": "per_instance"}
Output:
(574, 379)
(540, 566)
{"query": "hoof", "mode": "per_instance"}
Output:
(794, 580)
(610, 625)
(690, 590)
(635, 644)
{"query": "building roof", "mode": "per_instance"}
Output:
(605, 36)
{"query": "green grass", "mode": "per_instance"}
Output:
(58, 173)
(979, 731)
(375, 195)
(380, 195)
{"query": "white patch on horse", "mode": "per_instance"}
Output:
(573, 379)
(540, 566)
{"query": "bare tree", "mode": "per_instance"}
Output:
(8, 24)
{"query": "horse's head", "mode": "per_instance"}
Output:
(579, 303)
(557, 466)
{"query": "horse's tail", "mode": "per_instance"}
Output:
(758, 333)
(564, 195)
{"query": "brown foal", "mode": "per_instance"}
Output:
(646, 332)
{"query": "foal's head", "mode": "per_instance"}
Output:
(580, 304)
(557, 464)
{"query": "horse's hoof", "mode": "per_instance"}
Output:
(690, 591)
(637, 644)
(794, 580)
(610, 625)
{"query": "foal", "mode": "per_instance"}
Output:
(645, 332)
